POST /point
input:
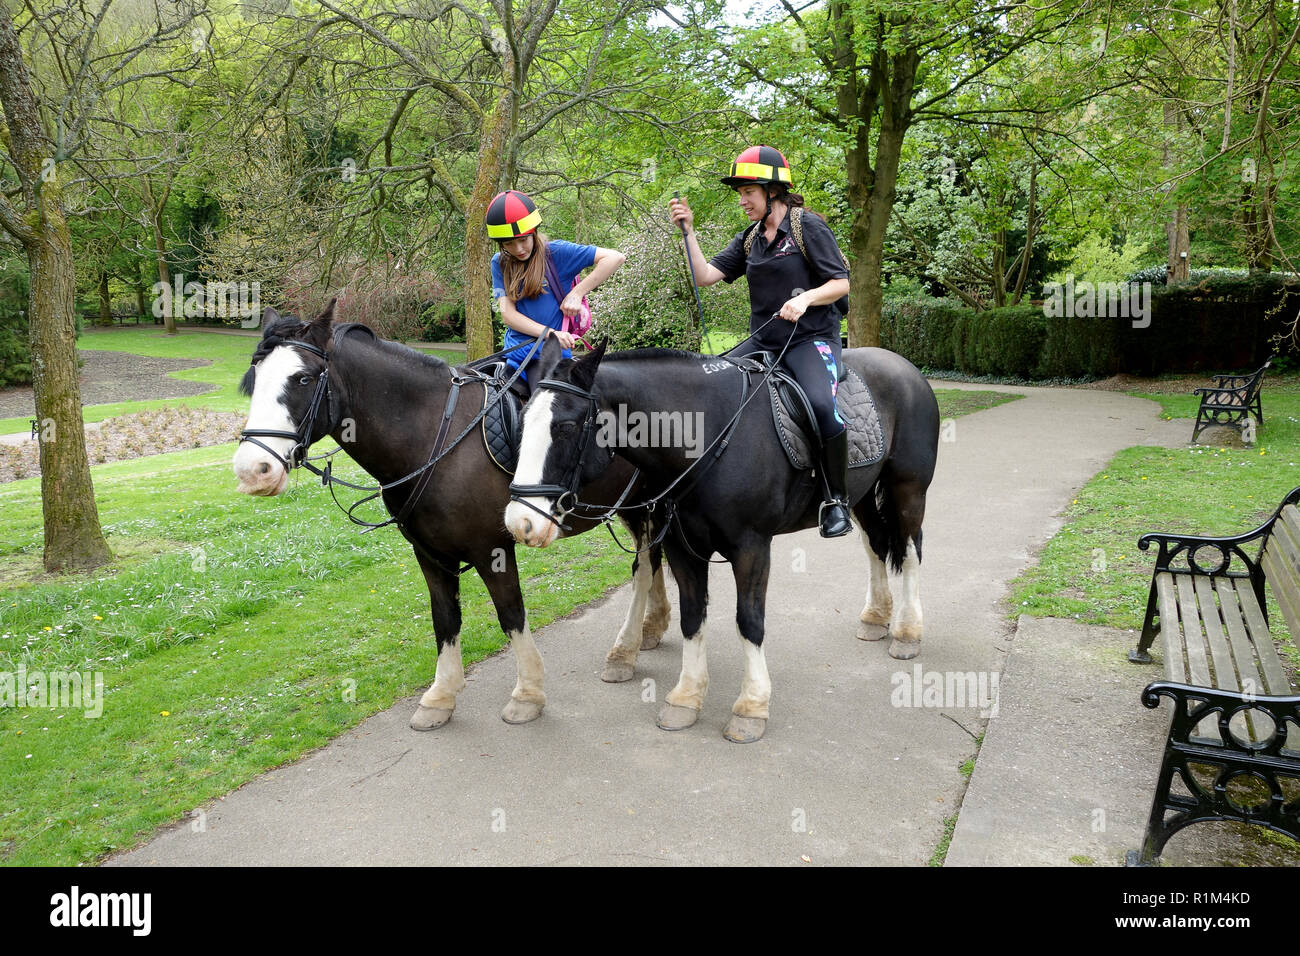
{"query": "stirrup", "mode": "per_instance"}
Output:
(834, 530)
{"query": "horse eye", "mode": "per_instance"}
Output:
(305, 380)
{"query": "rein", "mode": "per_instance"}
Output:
(302, 438)
(571, 488)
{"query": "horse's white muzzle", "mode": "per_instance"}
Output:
(258, 472)
(530, 528)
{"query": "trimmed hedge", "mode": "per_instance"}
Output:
(1219, 322)
(1017, 340)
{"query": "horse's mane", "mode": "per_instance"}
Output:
(290, 329)
(652, 353)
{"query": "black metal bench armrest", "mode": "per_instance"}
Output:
(1173, 546)
(1230, 381)
(1220, 389)
(1192, 704)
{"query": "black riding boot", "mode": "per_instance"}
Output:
(834, 513)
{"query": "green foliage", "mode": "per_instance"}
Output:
(649, 302)
(443, 322)
(15, 356)
(1097, 259)
(1017, 341)
(920, 329)
(1005, 341)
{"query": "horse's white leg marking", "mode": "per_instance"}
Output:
(756, 689)
(258, 472)
(880, 603)
(656, 619)
(906, 622)
(694, 680)
(621, 659)
(527, 526)
(438, 702)
(448, 679)
(529, 696)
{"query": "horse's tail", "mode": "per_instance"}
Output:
(884, 530)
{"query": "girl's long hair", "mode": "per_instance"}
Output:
(524, 280)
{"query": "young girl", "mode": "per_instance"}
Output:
(519, 285)
(801, 290)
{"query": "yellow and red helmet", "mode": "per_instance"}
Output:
(758, 164)
(511, 214)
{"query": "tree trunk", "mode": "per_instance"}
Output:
(1178, 268)
(867, 238)
(139, 290)
(73, 538)
(105, 303)
(164, 274)
(478, 247)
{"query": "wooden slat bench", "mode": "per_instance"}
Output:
(1230, 401)
(1236, 721)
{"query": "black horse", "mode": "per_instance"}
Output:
(383, 403)
(733, 504)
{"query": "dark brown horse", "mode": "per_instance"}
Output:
(383, 403)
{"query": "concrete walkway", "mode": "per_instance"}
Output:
(843, 776)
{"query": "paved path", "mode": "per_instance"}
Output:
(842, 776)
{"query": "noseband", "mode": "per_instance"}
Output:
(570, 489)
(302, 437)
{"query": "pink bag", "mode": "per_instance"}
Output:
(579, 324)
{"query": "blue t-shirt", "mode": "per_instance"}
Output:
(570, 259)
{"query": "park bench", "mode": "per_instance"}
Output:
(1230, 401)
(1233, 750)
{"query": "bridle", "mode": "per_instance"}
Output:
(572, 484)
(302, 437)
(700, 466)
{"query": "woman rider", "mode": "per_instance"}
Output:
(519, 285)
(802, 291)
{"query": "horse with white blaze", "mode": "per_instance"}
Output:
(734, 501)
(388, 405)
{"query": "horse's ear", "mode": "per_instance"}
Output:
(326, 318)
(547, 358)
(269, 318)
(584, 370)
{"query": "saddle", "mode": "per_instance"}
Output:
(797, 428)
(504, 419)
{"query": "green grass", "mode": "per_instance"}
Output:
(1092, 569)
(954, 402)
(229, 355)
(235, 635)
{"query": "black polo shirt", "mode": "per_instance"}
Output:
(776, 273)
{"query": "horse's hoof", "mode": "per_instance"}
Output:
(430, 718)
(650, 641)
(616, 672)
(871, 632)
(672, 717)
(901, 650)
(744, 730)
(521, 711)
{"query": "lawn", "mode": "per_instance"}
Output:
(1092, 568)
(229, 355)
(232, 634)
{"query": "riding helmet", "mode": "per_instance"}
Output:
(758, 164)
(512, 214)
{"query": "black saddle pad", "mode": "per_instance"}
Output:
(792, 417)
(502, 425)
